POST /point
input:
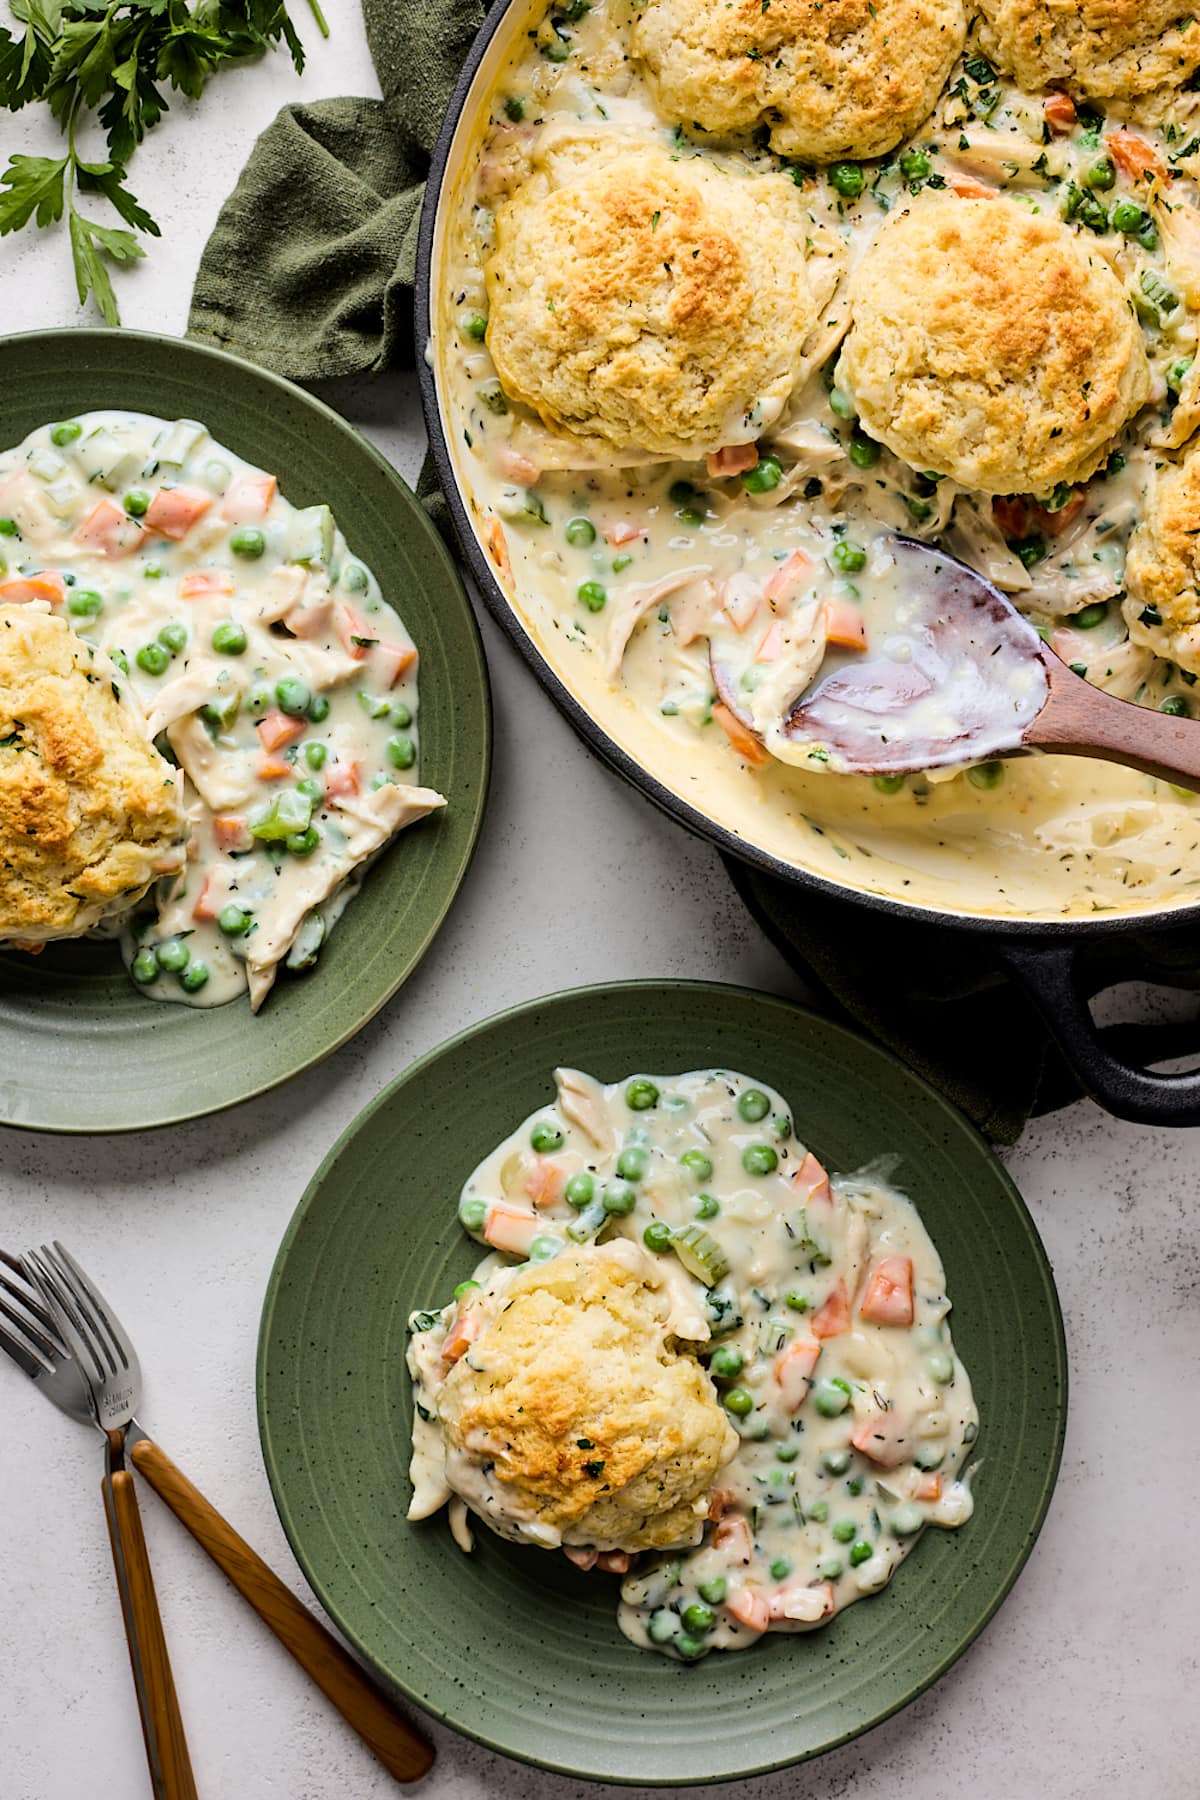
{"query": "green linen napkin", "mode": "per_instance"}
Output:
(309, 271)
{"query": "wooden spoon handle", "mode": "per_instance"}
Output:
(1079, 719)
(400, 1748)
(162, 1727)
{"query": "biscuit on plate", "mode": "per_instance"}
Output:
(651, 301)
(586, 1417)
(90, 813)
(1162, 567)
(992, 345)
(1103, 49)
(829, 78)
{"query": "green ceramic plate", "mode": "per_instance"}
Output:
(80, 1049)
(515, 1647)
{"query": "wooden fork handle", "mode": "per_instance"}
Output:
(162, 1727)
(400, 1748)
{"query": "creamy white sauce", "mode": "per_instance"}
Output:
(819, 1308)
(268, 666)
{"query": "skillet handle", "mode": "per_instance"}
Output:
(1052, 978)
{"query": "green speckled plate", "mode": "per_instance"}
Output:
(80, 1049)
(515, 1647)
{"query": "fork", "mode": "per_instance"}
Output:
(75, 1348)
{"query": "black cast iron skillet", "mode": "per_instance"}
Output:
(1063, 963)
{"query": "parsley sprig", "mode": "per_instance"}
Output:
(112, 60)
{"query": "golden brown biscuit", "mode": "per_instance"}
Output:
(89, 811)
(1102, 49)
(589, 1422)
(993, 345)
(652, 301)
(1162, 567)
(829, 78)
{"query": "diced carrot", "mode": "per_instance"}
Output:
(357, 638)
(49, 585)
(614, 1562)
(205, 581)
(969, 187)
(173, 511)
(1135, 156)
(1059, 112)
(1011, 515)
(583, 1559)
(806, 1604)
(845, 625)
(497, 545)
(732, 460)
(788, 579)
(793, 1372)
(545, 1181)
(1056, 522)
(309, 618)
(733, 1535)
(462, 1334)
(248, 496)
(743, 741)
(623, 532)
(109, 529)
(811, 1180)
(206, 907)
(393, 661)
(509, 1228)
(884, 1437)
(273, 768)
(889, 1296)
(231, 831)
(930, 1488)
(718, 1502)
(514, 465)
(275, 729)
(772, 642)
(833, 1317)
(749, 1608)
(342, 779)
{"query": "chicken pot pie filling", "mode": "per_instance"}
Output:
(689, 1340)
(266, 662)
(690, 601)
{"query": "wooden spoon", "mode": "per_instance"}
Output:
(965, 679)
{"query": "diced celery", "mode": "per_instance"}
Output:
(700, 1254)
(307, 942)
(310, 536)
(587, 1223)
(175, 443)
(46, 465)
(289, 812)
(106, 459)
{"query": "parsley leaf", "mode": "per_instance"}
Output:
(35, 191)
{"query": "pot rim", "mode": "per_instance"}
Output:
(597, 739)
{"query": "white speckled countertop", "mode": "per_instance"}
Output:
(1084, 1685)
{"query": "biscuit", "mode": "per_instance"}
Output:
(652, 302)
(1102, 49)
(589, 1422)
(829, 78)
(1162, 567)
(90, 813)
(992, 345)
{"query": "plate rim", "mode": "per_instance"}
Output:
(719, 990)
(81, 335)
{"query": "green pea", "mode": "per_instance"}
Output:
(374, 705)
(1178, 705)
(402, 716)
(8, 528)
(1091, 616)
(472, 1214)
(618, 1198)
(727, 1362)
(797, 1301)
(914, 165)
(84, 603)
(401, 751)
(713, 1591)
(122, 661)
(581, 532)
(690, 515)
(546, 1136)
(848, 558)
(920, 510)
(193, 978)
(707, 1206)
(696, 1164)
(906, 1521)
(229, 638)
(889, 784)
(831, 1397)
(940, 1366)
(474, 326)
(293, 697)
(593, 594)
(315, 755)
(847, 179)
(641, 1095)
(233, 920)
(173, 955)
(173, 637)
(66, 433)
(763, 477)
(929, 1456)
(844, 1531)
(1101, 175)
(689, 1647)
(819, 1510)
(248, 542)
(303, 843)
(580, 1189)
(662, 1626)
(835, 1462)
(781, 1568)
(1129, 218)
(860, 1553)
(144, 967)
(258, 699)
(544, 1247)
(657, 1236)
(739, 1402)
(855, 1485)
(841, 403)
(354, 578)
(830, 1568)
(986, 775)
(680, 493)
(753, 1105)
(153, 659)
(863, 451)
(633, 1163)
(698, 1618)
(466, 1287)
(318, 708)
(620, 562)
(137, 503)
(787, 1452)
(760, 1159)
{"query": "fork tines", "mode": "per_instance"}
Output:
(80, 1314)
(33, 1342)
